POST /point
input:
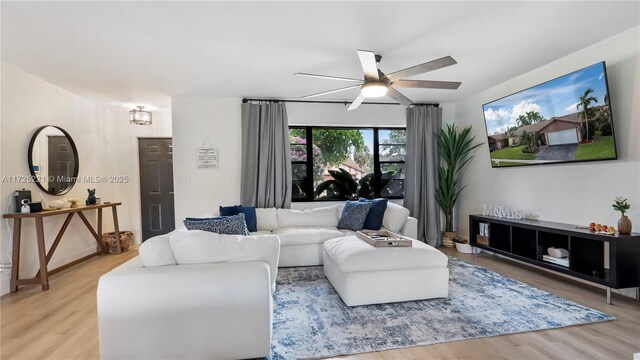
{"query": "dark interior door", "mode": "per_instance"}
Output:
(156, 186)
(61, 163)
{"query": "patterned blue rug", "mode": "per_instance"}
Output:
(311, 321)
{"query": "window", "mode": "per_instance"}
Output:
(392, 151)
(345, 163)
(298, 141)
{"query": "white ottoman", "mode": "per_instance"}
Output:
(363, 274)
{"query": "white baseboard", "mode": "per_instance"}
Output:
(5, 278)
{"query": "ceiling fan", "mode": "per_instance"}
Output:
(378, 84)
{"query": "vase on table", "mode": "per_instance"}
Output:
(624, 225)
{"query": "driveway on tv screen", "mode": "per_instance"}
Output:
(565, 152)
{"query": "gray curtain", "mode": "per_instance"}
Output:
(421, 178)
(266, 156)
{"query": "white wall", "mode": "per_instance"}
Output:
(571, 193)
(199, 121)
(107, 145)
(365, 115)
(337, 115)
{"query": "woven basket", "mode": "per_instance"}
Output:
(110, 243)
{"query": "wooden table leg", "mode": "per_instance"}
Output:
(90, 228)
(53, 247)
(116, 229)
(15, 255)
(105, 250)
(42, 254)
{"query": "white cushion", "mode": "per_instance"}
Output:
(201, 247)
(348, 232)
(306, 235)
(394, 217)
(267, 219)
(352, 254)
(156, 251)
(324, 216)
(260, 232)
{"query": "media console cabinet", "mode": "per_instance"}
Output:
(609, 260)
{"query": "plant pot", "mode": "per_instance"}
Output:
(447, 239)
(624, 225)
(467, 249)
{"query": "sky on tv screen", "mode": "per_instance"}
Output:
(557, 97)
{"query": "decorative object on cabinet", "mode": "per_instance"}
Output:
(91, 199)
(74, 202)
(56, 204)
(624, 224)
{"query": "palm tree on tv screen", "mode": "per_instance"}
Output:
(585, 102)
(529, 118)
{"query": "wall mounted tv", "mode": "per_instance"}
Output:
(563, 120)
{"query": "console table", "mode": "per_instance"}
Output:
(527, 240)
(42, 276)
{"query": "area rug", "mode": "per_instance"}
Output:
(311, 321)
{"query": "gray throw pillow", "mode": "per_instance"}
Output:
(228, 225)
(354, 215)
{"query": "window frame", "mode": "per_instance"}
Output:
(308, 186)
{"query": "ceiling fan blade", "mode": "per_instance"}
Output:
(356, 102)
(329, 77)
(428, 84)
(369, 65)
(422, 68)
(397, 96)
(331, 91)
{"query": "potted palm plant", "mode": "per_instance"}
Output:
(455, 149)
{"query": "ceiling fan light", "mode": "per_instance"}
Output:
(374, 89)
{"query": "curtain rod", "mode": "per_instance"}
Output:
(246, 100)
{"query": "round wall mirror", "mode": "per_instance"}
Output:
(53, 160)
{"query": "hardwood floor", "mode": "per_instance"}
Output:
(618, 339)
(62, 324)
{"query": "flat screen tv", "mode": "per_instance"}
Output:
(567, 119)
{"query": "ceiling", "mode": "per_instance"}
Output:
(145, 52)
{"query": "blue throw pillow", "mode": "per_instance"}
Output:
(229, 225)
(354, 215)
(376, 214)
(248, 211)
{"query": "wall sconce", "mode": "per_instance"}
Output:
(139, 116)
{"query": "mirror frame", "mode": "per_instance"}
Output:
(75, 155)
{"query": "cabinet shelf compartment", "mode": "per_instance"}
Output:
(547, 240)
(587, 257)
(523, 242)
(500, 237)
(477, 236)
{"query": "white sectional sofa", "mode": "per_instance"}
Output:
(303, 232)
(190, 295)
(197, 295)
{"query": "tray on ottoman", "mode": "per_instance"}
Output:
(383, 238)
